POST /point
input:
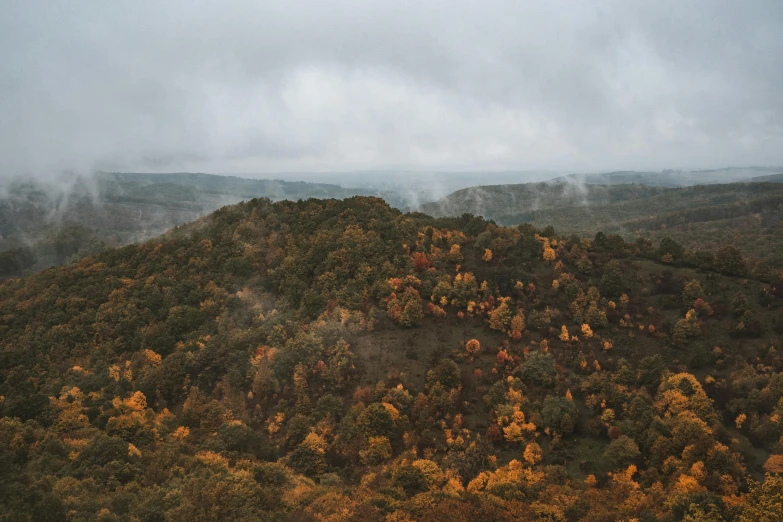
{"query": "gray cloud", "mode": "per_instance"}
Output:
(270, 86)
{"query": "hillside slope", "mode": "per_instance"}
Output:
(493, 201)
(676, 178)
(48, 223)
(747, 215)
(340, 360)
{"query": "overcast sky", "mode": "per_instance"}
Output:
(266, 86)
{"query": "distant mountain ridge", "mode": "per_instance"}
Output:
(492, 201)
(774, 178)
(677, 178)
(45, 223)
(274, 189)
(748, 214)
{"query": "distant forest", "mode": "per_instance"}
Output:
(746, 215)
(44, 224)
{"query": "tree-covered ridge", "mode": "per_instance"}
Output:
(46, 223)
(492, 201)
(747, 215)
(340, 360)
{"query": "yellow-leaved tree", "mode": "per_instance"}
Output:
(533, 454)
(473, 347)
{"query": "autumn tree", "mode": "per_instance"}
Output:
(378, 450)
(309, 457)
(517, 326)
(549, 254)
(692, 291)
(686, 328)
(587, 332)
(533, 454)
(405, 310)
(377, 421)
(500, 317)
(564, 335)
(420, 261)
(764, 501)
(455, 253)
(473, 347)
(774, 464)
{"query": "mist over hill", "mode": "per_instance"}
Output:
(50, 221)
(509, 260)
(747, 215)
(339, 359)
(675, 178)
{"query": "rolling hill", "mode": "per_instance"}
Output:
(341, 360)
(48, 223)
(676, 178)
(45, 223)
(747, 215)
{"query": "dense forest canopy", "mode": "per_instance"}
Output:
(340, 360)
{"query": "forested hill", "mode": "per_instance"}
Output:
(338, 360)
(493, 201)
(678, 178)
(120, 185)
(45, 223)
(747, 215)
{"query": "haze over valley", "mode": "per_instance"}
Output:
(391, 261)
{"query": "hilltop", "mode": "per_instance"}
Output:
(341, 360)
(45, 223)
